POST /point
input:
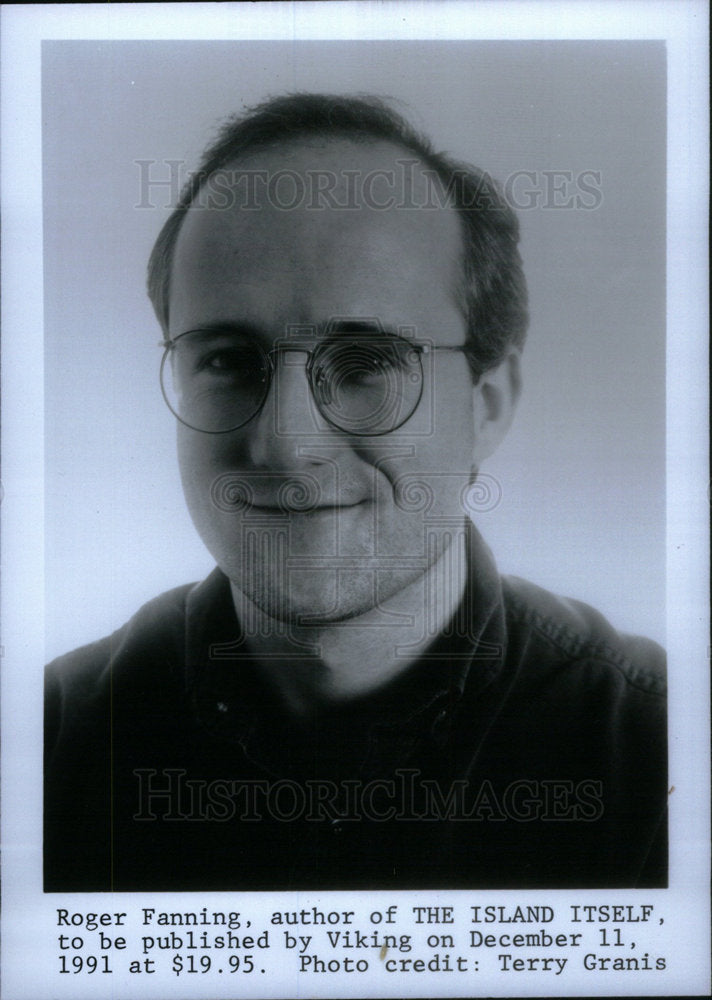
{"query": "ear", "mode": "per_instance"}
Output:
(495, 397)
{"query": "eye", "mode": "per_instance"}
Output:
(365, 367)
(363, 363)
(235, 363)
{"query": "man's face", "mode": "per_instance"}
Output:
(380, 509)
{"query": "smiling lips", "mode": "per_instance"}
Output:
(269, 493)
(286, 508)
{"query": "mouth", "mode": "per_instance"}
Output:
(314, 509)
(270, 495)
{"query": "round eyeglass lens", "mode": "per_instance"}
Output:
(214, 382)
(367, 385)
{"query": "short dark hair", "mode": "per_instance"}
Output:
(494, 286)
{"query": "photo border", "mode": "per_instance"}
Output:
(26, 920)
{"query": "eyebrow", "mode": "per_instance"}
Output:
(358, 325)
(229, 328)
(331, 327)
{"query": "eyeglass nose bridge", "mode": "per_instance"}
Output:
(316, 373)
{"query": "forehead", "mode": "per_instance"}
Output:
(326, 226)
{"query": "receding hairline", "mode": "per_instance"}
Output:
(322, 140)
(494, 282)
(276, 149)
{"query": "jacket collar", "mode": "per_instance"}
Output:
(231, 699)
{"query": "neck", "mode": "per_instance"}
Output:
(329, 664)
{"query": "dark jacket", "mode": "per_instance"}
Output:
(526, 749)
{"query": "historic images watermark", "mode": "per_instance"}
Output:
(240, 493)
(171, 795)
(159, 183)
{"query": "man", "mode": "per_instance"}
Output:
(354, 698)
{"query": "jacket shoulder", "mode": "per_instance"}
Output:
(580, 633)
(152, 618)
(84, 676)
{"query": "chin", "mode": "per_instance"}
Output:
(317, 597)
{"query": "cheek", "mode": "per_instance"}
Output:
(202, 461)
(194, 457)
(202, 456)
(424, 476)
(440, 435)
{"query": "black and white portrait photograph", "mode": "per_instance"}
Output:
(366, 592)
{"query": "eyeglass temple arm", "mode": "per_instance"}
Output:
(429, 348)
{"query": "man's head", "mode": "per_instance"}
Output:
(304, 515)
(494, 288)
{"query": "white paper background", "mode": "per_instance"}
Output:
(582, 473)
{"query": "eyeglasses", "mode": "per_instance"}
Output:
(365, 384)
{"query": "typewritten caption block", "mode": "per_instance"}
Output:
(469, 945)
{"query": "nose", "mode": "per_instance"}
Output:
(289, 418)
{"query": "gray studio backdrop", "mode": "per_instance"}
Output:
(577, 131)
